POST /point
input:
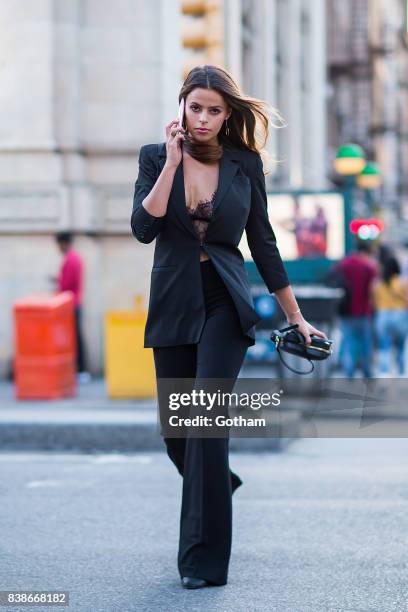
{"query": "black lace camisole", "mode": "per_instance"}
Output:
(201, 216)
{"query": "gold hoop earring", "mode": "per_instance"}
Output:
(227, 130)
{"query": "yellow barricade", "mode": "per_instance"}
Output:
(129, 367)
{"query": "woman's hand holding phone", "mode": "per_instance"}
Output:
(175, 135)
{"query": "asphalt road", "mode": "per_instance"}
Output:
(320, 527)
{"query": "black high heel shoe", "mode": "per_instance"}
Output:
(235, 481)
(189, 582)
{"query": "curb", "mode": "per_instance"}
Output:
(110, 430)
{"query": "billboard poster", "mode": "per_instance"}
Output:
(307, 225)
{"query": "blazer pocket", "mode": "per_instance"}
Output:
(159, 268)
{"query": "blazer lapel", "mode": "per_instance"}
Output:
(227, 171)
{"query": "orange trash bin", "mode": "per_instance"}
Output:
(45, 346)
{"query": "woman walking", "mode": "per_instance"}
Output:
(195, 194)
(390, 297)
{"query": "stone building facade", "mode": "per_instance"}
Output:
(367, 68)
(85, 83)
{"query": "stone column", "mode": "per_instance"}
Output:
(290, 104)
(233, 38)
(314, 107)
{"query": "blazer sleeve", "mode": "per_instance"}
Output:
(145, 226)
(260, 235)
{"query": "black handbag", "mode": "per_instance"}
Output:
(293, 342)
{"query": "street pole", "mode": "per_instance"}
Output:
(369, 198)
(348, 190)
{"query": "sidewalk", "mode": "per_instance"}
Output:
(92, 422)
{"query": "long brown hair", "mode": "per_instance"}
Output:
(249, 121)
(390, 268)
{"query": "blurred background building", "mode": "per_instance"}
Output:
(367, 69)
(84, 83)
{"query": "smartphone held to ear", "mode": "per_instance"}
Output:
(181, 113)
(181, 118)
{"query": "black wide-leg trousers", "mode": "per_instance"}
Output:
(208, 483)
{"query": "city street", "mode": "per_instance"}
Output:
(320, 527)
(204, 214)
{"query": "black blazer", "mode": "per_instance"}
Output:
(176, 312)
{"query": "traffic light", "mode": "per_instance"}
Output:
(366, 229)
(202, 33)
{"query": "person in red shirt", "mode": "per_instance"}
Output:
(70, 278)
(359, 269)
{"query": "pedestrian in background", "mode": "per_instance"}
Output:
(358, 270)
(390, 297)
(70, 278)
